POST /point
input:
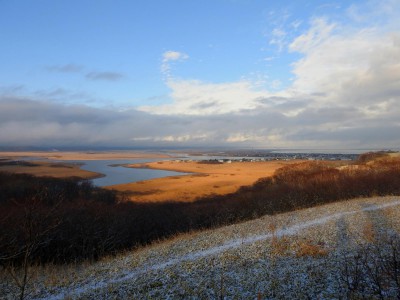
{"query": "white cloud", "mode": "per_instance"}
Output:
(346, 89)
(296, 24)
(342, 68)
(193, 97)
(174, 55)
(171, 56)
(181, 138)
(376, 12)
(348, 67)
(278, 38)
(276, 84)
(240, 137)
(319, 32)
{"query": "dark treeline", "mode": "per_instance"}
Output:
(54, 220)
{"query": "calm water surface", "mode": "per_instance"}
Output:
(120, 174)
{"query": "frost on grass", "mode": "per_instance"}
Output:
(344, 250)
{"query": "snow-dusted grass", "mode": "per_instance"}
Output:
(291, 255)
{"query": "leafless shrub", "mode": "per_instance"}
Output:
(372, 270)
(30, 234)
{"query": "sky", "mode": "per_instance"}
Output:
(210, 73)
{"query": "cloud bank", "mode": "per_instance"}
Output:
(345, 93)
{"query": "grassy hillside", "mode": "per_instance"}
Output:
(44, 220)
(344, 250)
(71, 220)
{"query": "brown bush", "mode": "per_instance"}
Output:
(372, 156)
(307, 248)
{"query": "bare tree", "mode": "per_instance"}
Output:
(30, 234)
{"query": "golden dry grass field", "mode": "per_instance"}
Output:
(51, 169)
(207, 179)
(64, 170)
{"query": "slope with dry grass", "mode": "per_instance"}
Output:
(343, 250)
(272, 249)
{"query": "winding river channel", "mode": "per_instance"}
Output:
(115, 173)
(113, 170)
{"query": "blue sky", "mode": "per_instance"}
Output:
(275, 67)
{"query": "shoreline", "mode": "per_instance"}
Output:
(82, 155)
(59, 164)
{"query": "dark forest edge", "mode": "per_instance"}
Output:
(47, 220)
